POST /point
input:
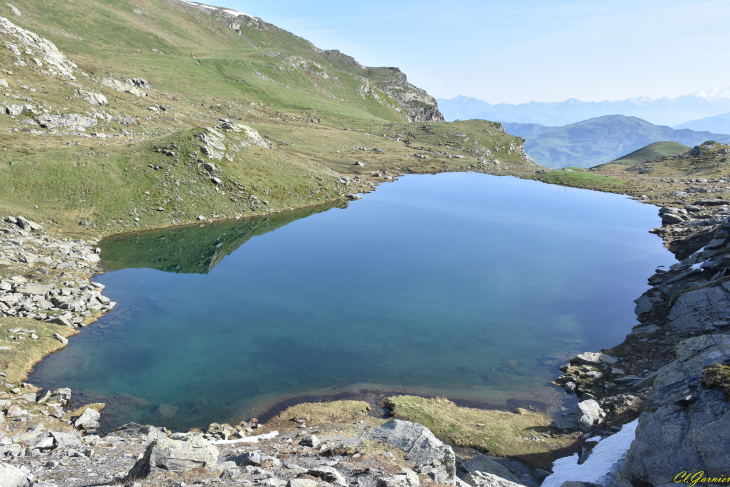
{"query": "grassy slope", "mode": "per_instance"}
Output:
(651, 152)
(267, 78)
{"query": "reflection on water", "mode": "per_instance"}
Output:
(463, 285)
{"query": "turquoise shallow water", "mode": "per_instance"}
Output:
(463, 285)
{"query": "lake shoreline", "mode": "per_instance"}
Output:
(683, 244)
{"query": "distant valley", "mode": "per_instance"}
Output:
(599, 140)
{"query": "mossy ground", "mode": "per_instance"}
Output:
(717, 377)
(514, 434)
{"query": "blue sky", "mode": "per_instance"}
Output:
(517, 51)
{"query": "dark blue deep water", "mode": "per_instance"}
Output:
(462, 285)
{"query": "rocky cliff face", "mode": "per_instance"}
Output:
(417, 105)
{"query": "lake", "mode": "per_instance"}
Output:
(467, 286)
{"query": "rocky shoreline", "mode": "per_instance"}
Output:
(658, 374)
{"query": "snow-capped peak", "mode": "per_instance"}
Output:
(713, 93)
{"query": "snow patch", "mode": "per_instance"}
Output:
(247, 439)
(602, 465)
(208, 7)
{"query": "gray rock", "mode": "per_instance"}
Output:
(28, 225)
(575, 483)
(134, 429)
(62, 339)
(330, 474)
(67, 120)
(643, 305)
(249, 458)
(310, 440)
(671, 218)
(427, 454)
(406, 479)
(62, 320)
(89, 420)
(588, 413)
(695, 311)
(674, 434)
(480, 479)
(484, 464)
(175, 455)
(593, 358)
(566, 423)
(301, 483)
(93, 97)
(62, 396)
(12, 476)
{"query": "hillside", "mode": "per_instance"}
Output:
(139, 114)
(661, 111)
(604, 139)
(651, 152)
(719, 124)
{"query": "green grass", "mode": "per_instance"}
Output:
(581, 179)
(652, 152)
(267, 78)
(501, 432)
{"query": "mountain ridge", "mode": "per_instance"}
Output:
(599, 140)
(660, 111)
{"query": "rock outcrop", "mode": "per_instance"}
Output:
(427, 454)
(686, 426)
(29, 47)
(175, 455)
(417, 105)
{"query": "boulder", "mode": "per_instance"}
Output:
(484, 464)
(28, 225)
(481, 479)
(69, 120)
(671, 218)
(696, 311)
(89, 420)
(588, 413)
(575, 483)
(310, 440)
(34, 289)
(427, 454)
(175, 455)
(93, 97)
(62, 339)
(330, 474)
(134, 429)
(593, 358)
(643, 305)
(301, 483)
(12, 476)
(406, 479)
(69, 438)
(685, 426)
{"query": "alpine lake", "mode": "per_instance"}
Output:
(466, 286)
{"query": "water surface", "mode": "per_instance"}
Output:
(463, 285)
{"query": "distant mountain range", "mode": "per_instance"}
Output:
(661, 111)
(599, 140)
(719, 124)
